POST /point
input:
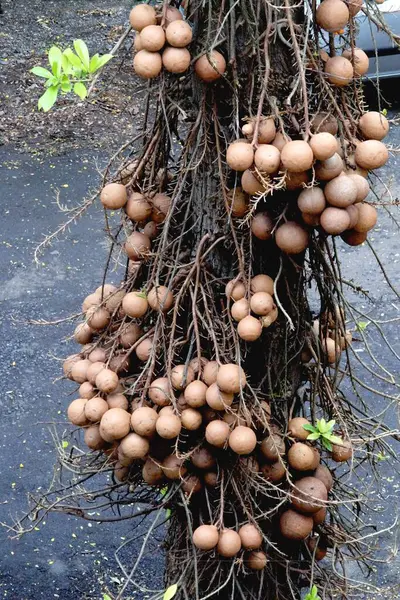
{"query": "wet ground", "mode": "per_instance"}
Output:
(65, 557)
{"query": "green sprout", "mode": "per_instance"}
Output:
(313, 594)
(323, 431)
(70, 71)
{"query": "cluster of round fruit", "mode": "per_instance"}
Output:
(160, 41)
(261, 304)
(149, 211)
(338, 207)
(229, 542)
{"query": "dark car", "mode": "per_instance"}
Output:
(375, 42)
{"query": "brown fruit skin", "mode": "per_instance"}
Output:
(160, 392)
(76, 412)
(93, 439)
(131, 333)
(335, 220)
(291, 238)
(195, 394)
(320, 516)
(83, 334)
(274, 472)
(203, 459)
(354, 6)
(273, 447)
(176, 60)
(261, 303)
(192, 484)
(152, 38)
(217, 399)
(339, 70)
(373, 125)
(231, 378)
(181, 376)
(229, 543)
(371, 154)
(296, 429)
(266, 130)
(238, 202)
(173, 467)
(143, 421)
(316, 550)
(323, 474)
(137, 208)
(79, 370)
(141, 16)
(257, 561)
(324, 145)
(217, 433)
(168, 426)
(302, 457)
(329, 168)
(114, 424)
(205, 537)
(95, 409)
(152, 473)
(324, 121)
(210, 71)
(179, 34)
(311, 200)
(191, 419)
(309, 495)
(147, 65)
(297, 156)
(262, 283)
(94, 370)
(160, 298)
(107, 381)
(353, 238)
(361, 60)
(137, 246)
(341, 191)
(249, 329)
(250, 183)
(240, 156)
(87, 391)
(235, 290)
(117, 400)
(242, 440)
(113, 196)
(133, 446)
(240, 309)
(332, 15)
(295, 526)
(262, 226)
(367, 218)
(342, 453)
(144, 349)
(361, 184)
(250, 537)
(267, 158)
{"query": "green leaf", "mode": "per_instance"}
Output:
(311, 428)
(106, 597)
(170, 592)
(384, 112)
(41, 72)
(335, 439)
(49, 98)
(321, 425)
(55, 60)
(164, 491)
(73, 59)
(65, 444)
(168, 513)
(326, 444)
(313, 436)
(80, 90)
(82, 51)
(362, 325)
(97, 62)
(331, 424)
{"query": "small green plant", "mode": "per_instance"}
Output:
(69, 72)
(313, 594)
(323, 431)
(170, 592)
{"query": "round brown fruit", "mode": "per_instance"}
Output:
(217, 399)
(273, 447)
(141, 16)
(114, 301)
(168, 426)
(203, 459)
(144, 349)
(324, 144)
(367, 218)
(160, 298)
(152, 38)
(261, 303)
(195, 394)
(238, 202)
(338, 69)
(134, 446)
(176, 60)
(121, 473)
(210, 67)
(192, 484)
(266, 130)
(86, 390)
(358, 59)
(250, 537)
(179, 34)
(83, 334)
(323, 474)
(143, 421)
(371, 154)
(320, 516)
(171, 14)
(256, 561)
(324, 122)
(341, 191)
(267, 158)
(309, 495)
(312, 200)
(250, 183)
(342, 453)
(361, 184)
(354, 238)
(98, 318)
(335, 220)
(295, 526)
(240, 156)
(302, 457)
(151, 230)
(332, 15)
(137, 208)
(91, 300)
(319, 552)
(262, 226)
(173, 467)
(374, 125)
(354, 6)
(137, 44)
(181, 376)
(329, 168)
(93, 439)
(131, 333)
(205, 537)
(229, 543)
(191, 419)
(262, 283)
(117, 400)
(115, 424)
(242, 440)
(79, 370)
(113, 196)
(297, 156)
(210, 372)
(152, 473)
(249, 329)
(211, 479)
(95, 409)
(147, 64)
(107, 381)
(240, 309)
(296, 428)
(217, 433)
(160, 392)
(331, 350)
(291, 238)
(235, 290)
(274, 472)
(76, 412)
(231, 378)
(137, 246)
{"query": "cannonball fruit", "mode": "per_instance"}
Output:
(176, 60)
(152, 38)
(373, 125)
(210, 67)
(179, 34)
(250, 537)
(309, 495)
(295, 526)
(113, 196)
(296, 428)
(359, 60)
(205, 537)
(229, 543)
(371, 154)
(297, 156)
(231, 378)
(242, 440)
(302, 457)
(141, 16)
(332, 15)
(147, 64)
(291, 238)
(240, 156)
(339, 69)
